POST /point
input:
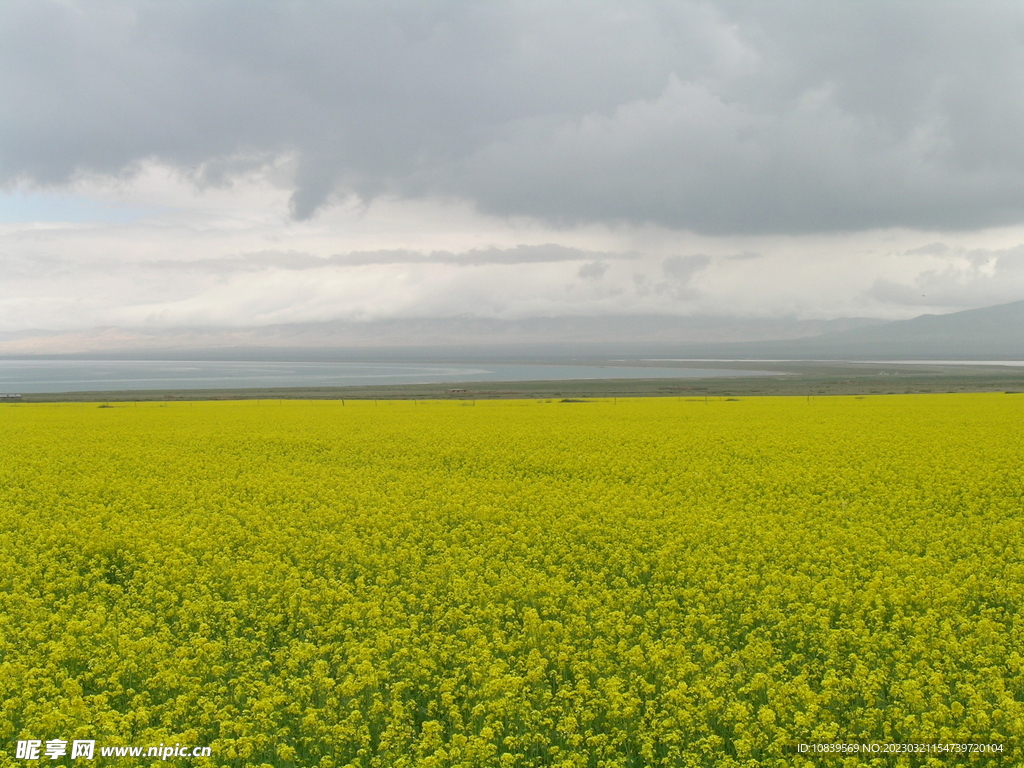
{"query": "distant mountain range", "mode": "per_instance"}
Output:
(990, 333)
(445, 332)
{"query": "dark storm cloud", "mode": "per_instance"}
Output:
(727, 118)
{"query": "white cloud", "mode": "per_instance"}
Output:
(226, 256)
(238, 164)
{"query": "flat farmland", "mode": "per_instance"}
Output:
(615, 582)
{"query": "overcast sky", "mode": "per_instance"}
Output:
(245, 163)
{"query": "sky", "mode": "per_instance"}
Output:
(239, 164)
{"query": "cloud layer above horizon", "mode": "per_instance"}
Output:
(651, 142)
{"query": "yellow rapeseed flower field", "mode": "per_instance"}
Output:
(653, 582)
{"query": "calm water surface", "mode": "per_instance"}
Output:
(27, 376)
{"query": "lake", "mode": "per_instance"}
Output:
(48, 376)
